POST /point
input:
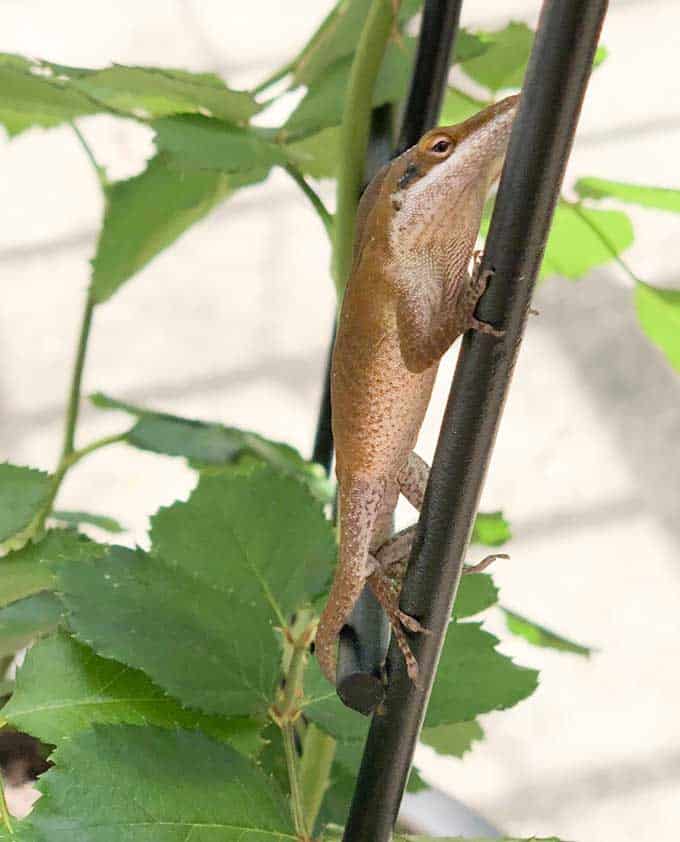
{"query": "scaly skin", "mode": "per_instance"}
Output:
(409, 296)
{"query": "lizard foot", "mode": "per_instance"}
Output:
(388, 596)
(484, 563)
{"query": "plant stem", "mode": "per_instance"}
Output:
(275, 77)
(324, 215)
(76, 379)
(4, 811)
(355, 129)
(99, 170)
(294, 779)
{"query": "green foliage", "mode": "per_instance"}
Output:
(25, 572)
(207, 445)
(146, 213)
(583, 238)
(455, 739)
(74, 519)
(64, 688)
(490, 529)
(476, 592)
(159, 673)
(661, 198)
(27, 619)
(503, 64)
(540, 636)
(243, 553)
(23, 493)
(659, 313)
(33, 96)
(156, 784)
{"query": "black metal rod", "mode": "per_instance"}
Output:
(362, 646)
(430, 73)
(555, 84)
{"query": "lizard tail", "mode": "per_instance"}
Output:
(344, 593)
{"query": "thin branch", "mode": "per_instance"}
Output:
(99, 170)
(355, 129)
(317, 203)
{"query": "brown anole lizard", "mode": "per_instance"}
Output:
(410, 295)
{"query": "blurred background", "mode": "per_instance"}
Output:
(232, 324)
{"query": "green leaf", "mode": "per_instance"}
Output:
(323, 707)
(31, 95)
(601, 54)
(337, 38)
(23, 494)
(323, 104)
(141, 784)
(195, 142)
(458, 106)
(204, 445)
(662, 198)
(198, 615)
(491, 529)
(582, 238)
(474, 678)
(540, 636)
(63, 687)
(104, 522)
(503, 64)
(150, 92)
(316, 155)
(145, 214)
(476, 592)
(658, 311)
(25, 571)
(27, 619)
(455, 739)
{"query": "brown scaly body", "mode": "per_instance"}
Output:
(408, 298)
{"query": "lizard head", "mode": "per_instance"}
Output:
(451, 165)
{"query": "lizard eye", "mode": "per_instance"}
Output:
(441, 146)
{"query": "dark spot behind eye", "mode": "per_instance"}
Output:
(411, 173)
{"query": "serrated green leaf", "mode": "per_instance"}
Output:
(108, 524)
(455, 739)
(476, 592)
(27, 619)
(238, 558)
(63, 687)
(491, 529)
(662, 198)
(31, 95)
(141, 784)
(25, 572)
(205, 445)
(145, 214)
(503, 64)
(458, 106)
(323, 707)
(582, 238)
(474, 678)
(658, 311)
(151, 92)
(23, 493)
(316, 155)
(323, 104)
(601, 54)
(541, 636)
(194, 142)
